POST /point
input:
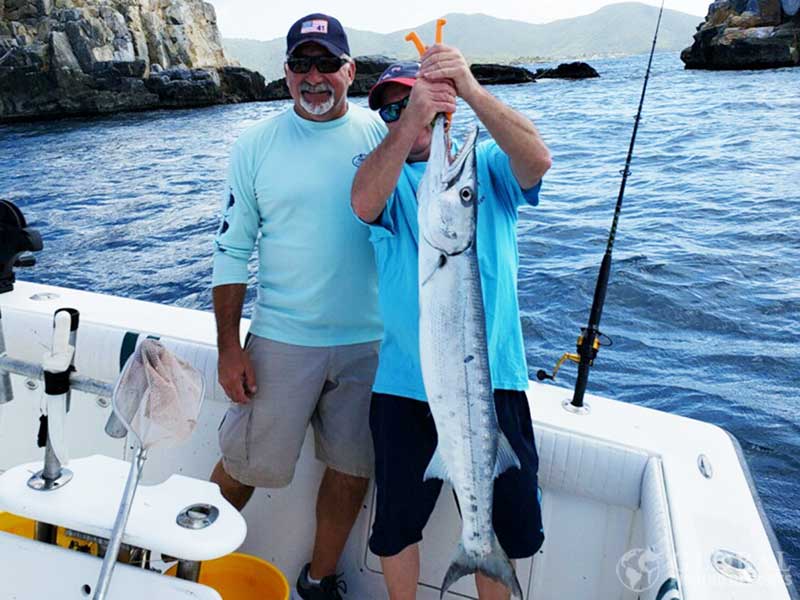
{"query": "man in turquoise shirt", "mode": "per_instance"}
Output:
(311, 353)
(510, 167)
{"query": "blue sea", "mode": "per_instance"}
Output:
(704, 302)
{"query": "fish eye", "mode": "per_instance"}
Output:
(465, 194)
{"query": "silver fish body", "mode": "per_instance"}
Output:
(472, 450)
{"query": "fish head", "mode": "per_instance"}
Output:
(448, 194)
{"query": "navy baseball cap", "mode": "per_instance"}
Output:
(320, 29)
(404, 73)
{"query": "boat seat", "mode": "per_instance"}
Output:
(583, 466)
(590, 481)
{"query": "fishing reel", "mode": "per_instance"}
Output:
(17, 241)
(593, 349)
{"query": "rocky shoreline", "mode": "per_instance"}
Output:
(369, 68)
(747, 34)
(62, 58)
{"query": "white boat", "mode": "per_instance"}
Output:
(637, 504)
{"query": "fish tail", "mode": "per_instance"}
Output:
(495, 565)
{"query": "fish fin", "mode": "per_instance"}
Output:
(494, 565)
(506, 457)
(437, 469)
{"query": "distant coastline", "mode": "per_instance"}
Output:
(485, 39)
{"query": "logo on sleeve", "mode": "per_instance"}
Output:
(358, 159)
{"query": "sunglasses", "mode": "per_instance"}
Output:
(391, 112)
(324, 64)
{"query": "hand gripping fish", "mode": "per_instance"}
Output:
(472, 450)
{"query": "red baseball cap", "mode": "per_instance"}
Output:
(404, 73)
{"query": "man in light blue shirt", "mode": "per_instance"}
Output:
(312, 350)
(509, 171)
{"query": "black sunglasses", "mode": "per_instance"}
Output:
(324, 64)
(391, 112)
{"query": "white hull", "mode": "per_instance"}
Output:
(620, 478)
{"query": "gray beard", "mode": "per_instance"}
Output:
(316, 109)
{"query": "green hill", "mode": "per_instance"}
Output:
(617, 29)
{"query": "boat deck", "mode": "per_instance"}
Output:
(617, 482)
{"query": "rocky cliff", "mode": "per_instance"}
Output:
(747, 34)
(75, 57)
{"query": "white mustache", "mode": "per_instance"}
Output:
(316, 89)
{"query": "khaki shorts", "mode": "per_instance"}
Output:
(329, 387)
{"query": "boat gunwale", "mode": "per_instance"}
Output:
(777, 549)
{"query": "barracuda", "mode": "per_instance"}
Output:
(472, 449)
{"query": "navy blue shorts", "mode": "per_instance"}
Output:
(404, 436)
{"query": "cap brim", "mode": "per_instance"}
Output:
(375, 95)
(322, 42)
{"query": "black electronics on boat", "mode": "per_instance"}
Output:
(17, 241)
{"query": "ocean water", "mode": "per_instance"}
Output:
(704, 302)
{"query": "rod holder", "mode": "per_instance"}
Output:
(43, 480)
(53, 476)
(57, 366)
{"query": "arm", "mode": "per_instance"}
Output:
(235, 371)
(515, 134)
(377, 176)
(233, 246)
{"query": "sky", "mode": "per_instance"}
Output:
(265, 19)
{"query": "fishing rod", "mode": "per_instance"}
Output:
(589, 341)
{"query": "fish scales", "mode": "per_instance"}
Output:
(472, 449)
(468, 442)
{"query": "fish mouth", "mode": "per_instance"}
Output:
(449, 202)
(455, 170)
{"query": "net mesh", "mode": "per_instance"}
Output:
(158, 396)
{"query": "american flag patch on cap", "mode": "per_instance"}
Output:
(314, 26)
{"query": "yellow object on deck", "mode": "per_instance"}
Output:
(243, 577)
(235, 576)
(16, 525)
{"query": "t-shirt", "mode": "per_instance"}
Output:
(289, 191)
(394, 236)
